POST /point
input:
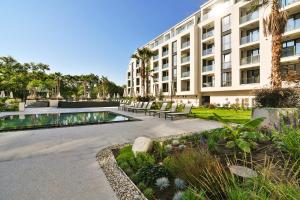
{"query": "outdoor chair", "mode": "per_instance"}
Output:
(172, 110)
(145, 104)
(186, 111)
(137, 105)
(145, 109)
(132, 104)
(123, 103)
(162, 108)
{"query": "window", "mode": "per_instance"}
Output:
(226, 23)
(291, 48)
(174, 47)
(250, 76)
(226, 60)
(208, 81)
(137, 81)
(174, 87)
(174, 60)
(174, 73)
(226, 42)
(165, 87)
(226, 79)
(292, 69)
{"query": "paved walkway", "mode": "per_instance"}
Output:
(60, 163)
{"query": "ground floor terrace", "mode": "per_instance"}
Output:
(60, 163)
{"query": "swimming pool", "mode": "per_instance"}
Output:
(51, 120)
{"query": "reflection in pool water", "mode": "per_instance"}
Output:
(20, 122)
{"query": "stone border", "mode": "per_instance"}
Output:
(121, 184)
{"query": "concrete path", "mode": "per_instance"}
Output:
(60, 163)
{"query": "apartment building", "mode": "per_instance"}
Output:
(218, 54)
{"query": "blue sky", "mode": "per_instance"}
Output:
(85, 36)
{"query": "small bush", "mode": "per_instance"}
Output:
(190, 194)
(162, 183)
(178, 196)
(277, 97)
(149, 193)
(148, 174)
(142, 186)
(179, 184)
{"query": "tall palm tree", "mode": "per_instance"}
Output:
(274, 25)
(144, 55)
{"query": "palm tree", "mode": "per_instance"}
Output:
(274, 25)
(144, 55)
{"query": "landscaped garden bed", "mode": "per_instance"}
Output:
(234, 162)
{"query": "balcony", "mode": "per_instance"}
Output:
(165, 53)
(249, 38)
(185, 44)
(226, 65)
(165, 78)
(292, 25)
(207, 68)
(155, 57)
(206, 16)
(185, 74)
(290, 51)
(287, 2)
(207, 34)
(208, 84)
(250, 60)
(155, 79)
(249, 17)
(185, 59)
(156, 68)
(251, 80)
(166, 65)
(207, 51)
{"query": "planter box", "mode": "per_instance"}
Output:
(53, 103)
(272, 115)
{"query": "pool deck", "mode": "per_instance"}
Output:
(60, 163)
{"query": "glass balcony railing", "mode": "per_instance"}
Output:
(250, 60)
(166, 65)
(226, 65)
(284, 3)
(185, 44)
(206, 16)
(165, 78)
(290, 51)
(207, 34)
(207, 51)
(249, 38)
(155, 79)
(156, 69)
(185, 74)
(208, 84)
(249, 17)
(251, 80)
(185, 59)
(165, 53)
(207, 68)
(155, 57)
(292, 25)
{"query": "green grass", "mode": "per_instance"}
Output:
(230, 115)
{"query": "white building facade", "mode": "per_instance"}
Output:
(217, 55)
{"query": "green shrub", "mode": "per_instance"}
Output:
(149, 193)
(149, 173)
(190, 194)
(160, 150)
(277, 97)
(142, 186)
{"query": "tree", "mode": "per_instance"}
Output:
(274, 25)
(144, 55)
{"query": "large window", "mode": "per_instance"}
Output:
(292, 70)
(165, 87)
(174, 47)
(226, 79)
(250, 76)
(226, 60)
(293, 22)
(291, 48)
(226, 23)
(174, 60)
(208, 81)
(226, 42)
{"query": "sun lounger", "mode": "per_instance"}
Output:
(145, 104)
(138, 105)
(186, 111)
(172, 110)
(162, 108)
(146, 108)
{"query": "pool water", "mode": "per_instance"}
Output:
(35, 121)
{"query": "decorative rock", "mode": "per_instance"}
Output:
(241, 171)
(142, 145)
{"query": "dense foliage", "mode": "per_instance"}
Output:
(33, 79)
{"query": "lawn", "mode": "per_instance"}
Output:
(230, 115)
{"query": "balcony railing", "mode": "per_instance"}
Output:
(164, 53)
(207, 51)
(185, 59)
(206, 16)
(290, 51)
(292, 25)
(185, 74)
(226, 65)
(287, 2)
(250, 60)
(155, 57)
(208, 84)
(207, 34)
(249, 17)
(207, 68)
(249, 38)
(165, 78)
(226, 83)
(185, 44)
(155, 79)
(156, 68)
(251, 80)
(166, 65)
